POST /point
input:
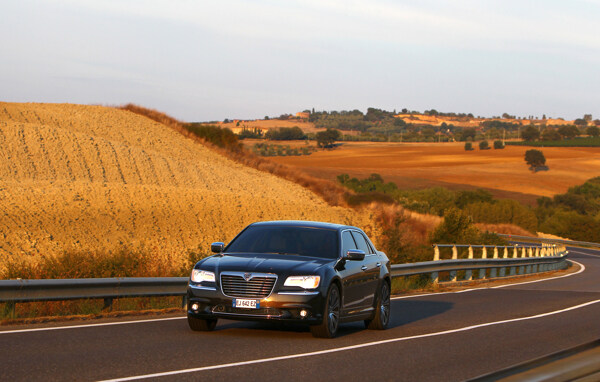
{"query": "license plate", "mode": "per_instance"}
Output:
(246, 304)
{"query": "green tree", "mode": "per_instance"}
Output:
(531, 133)
(580, 122)
(484, 145)
(467, 133)
(498, 145)
(535, 159)
(327, 138)
(468, 146)
(568, 131)
(550, 135)
(593, 131)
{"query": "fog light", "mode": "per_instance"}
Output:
(303, 313)
(195, 307)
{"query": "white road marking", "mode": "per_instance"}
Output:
(88, 325)
(351, 347)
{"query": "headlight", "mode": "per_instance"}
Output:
(199, 276)
(306, 282)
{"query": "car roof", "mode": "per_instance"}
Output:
(303, 223)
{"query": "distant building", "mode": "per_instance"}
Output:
(302, 115)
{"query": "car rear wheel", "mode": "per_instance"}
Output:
(201, 325)
(331, 316)
(381, 319)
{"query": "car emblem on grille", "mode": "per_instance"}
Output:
(247, 276)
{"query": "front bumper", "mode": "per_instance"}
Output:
(285, 306)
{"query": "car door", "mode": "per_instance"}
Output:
(354, 279)
(370, 268)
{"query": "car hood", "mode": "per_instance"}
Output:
(265, 263)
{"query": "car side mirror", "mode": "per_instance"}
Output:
(355, 254)
(217, 247)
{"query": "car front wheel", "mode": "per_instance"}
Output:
(331, 316)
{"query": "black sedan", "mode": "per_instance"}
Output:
(319, 274)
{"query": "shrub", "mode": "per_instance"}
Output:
(456, 228)
(498, 145)
(531, 133)
(285, 134)
(328, 137)
(484, 145)
(468, 146)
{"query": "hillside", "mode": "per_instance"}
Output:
(93, 178)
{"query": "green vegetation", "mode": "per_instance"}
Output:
(328, 137)
(223, 138)
(285, 134)
(254, 133)
(575, 142)
(535, 159)
(468, 146)
(267, 150)
(484, 145)
(498, 145)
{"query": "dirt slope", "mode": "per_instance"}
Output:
(97, 178)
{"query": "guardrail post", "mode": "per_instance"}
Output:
(537, 251)
(530, 254)
(434, 278)
(505, 256)
(9, 309)
(483, 256)
(184, 301)
(108, 304)
(513, 270)
(522, 268)
(468, 272)
(494, 271)
(436, 253)
(454, 257)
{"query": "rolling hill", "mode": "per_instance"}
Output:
(94, 178)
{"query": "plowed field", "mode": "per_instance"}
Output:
(418, 165)
(96, 178)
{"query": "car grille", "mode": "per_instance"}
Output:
(235, 285)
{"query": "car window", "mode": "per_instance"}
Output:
(361, 242)
(301, 241)
(347, 242)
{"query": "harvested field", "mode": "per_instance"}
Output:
(419, 165)
(96, 178)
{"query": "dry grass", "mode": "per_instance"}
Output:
(91, 178)
(508, 229)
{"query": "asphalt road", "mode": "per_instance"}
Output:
(438, 337)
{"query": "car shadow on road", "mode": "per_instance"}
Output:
(407, 311)
(403, 312)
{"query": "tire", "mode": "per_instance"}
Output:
(331, 315)
(381, 319)
(201, 325)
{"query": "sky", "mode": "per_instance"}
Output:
(211, 60)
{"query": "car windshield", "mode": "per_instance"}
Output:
(303, 241)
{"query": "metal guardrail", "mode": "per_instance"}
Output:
(533, 259)
(550, 241)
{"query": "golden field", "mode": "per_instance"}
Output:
(417, 165)
(94, 178)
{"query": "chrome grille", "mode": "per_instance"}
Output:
(260, 285)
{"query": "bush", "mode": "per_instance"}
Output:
(328, 137)
(223, 138)
(484, 145)
(457, 228)
(468, 146)
(498, 145)
(531, 133)
(503, 211)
